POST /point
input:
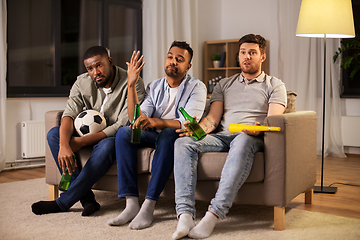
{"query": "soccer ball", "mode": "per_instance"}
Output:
(89, 122)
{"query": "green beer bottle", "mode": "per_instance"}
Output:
(135, 134)
(197, 132)
(65, 179)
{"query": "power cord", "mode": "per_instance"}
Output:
(348, 184)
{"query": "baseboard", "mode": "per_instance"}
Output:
(24, 163)
(352, 150)
(352, 155)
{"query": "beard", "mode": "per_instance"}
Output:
(251, 70)
(171, 71)
(103, 83)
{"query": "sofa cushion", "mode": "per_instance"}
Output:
(291, 102)
(209, 167)
(211, 164)
(144, 156)
(84, 154)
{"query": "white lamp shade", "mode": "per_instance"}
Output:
(331, 17)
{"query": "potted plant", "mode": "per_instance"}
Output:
(351, 60)
(216, 57)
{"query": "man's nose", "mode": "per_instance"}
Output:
(96, 71)
(173, 61)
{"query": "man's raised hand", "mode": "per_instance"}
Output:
(134, 67)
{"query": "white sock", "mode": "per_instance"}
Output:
(185, 224)
(145, 216)
(205, 226)
(130, 211)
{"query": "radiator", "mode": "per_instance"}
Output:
(32, 139)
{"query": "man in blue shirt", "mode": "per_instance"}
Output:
(159, 117)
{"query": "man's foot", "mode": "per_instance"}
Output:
(90, 208)
(145, 216)
(45, 207)
(185, 224)
(205, 226)
(132, 208)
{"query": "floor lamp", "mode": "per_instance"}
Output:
(325, 19)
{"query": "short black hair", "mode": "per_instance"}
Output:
(252, 38)
(94, 51)
(183, 45)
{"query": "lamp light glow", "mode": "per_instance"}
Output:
(331, 17)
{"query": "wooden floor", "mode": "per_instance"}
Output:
(22, 174)
(345, 202)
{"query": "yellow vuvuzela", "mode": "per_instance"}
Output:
(238, 128)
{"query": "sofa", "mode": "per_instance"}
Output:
(285, 169)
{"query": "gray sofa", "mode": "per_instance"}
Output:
(286, 168)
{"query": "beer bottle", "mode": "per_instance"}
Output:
(65, 179)
(135, 134)
(197, 132)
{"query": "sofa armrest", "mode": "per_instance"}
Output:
(52, 175)
(290, 155)
(52, 119)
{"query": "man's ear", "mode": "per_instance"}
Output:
(189, 66)
(110, 61)
(263, 57)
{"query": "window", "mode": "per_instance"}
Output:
(47, 40)
(351, 87)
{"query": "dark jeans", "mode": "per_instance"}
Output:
(101, 159)
(162, 164)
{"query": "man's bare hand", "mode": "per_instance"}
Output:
(145, 121)
(185, 131)
(252, 133)
(134, 67)
(66, 159)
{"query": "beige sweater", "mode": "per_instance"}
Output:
(84, 94)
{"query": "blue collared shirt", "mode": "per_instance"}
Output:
(191, 95)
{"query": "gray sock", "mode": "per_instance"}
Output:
(145, 216)
(205, 226)
(130, 211)
(185, 224)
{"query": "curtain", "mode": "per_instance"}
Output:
(2, 83)
(163, 22)
(301, 67)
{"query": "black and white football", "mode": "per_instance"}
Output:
(89, 122)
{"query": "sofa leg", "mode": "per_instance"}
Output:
(53, 192)
(309, 196)
(279, 218)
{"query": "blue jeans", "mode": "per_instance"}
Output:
(162, 164)
(241, 148)
(101, 159)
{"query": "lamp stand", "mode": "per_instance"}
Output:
(321, 188)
